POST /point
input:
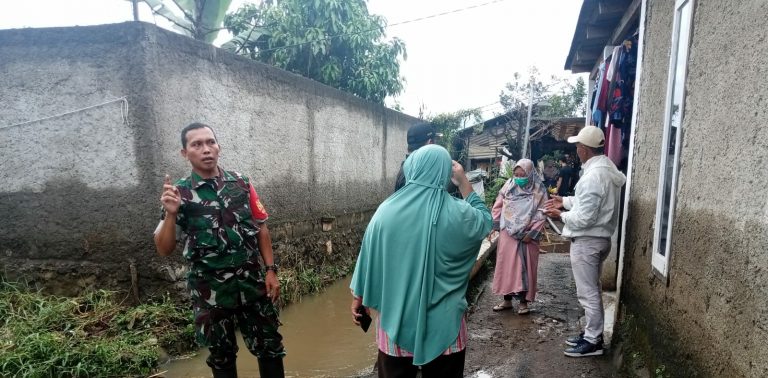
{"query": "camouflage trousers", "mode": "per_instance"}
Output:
(226, 300)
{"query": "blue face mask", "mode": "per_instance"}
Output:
(521, 181)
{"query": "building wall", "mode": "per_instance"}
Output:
(711, 318)
(81, 194)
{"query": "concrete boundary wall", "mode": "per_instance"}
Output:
(81, 191)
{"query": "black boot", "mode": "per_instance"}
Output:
(225, 373)
(271, 367)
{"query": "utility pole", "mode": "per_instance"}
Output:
(135, 9)
(527, 134)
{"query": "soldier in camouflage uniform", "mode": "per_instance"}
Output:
(220, 216)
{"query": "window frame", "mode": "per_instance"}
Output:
(659, 262)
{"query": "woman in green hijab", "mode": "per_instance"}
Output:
(414, 267)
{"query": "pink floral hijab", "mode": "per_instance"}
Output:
(521, 204)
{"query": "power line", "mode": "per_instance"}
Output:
(387, 26)
(487, 105)
(446, 13)
(497, 103)
(482, 107)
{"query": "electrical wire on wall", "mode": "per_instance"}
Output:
(123, 113)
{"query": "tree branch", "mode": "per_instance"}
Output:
(171, 20)
(186, 15)
(247, 38)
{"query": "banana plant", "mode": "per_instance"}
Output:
(247, 26)
(199, 19)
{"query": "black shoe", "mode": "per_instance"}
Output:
(574, 340)
(585, 349)
(225, 373)
(271, 367)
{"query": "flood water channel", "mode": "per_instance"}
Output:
(318, 335)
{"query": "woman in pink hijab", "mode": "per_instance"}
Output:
(517, 217)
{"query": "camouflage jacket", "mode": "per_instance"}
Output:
(215, 215)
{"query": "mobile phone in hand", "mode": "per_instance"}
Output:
(365, 319)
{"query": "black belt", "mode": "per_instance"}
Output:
(573, 239)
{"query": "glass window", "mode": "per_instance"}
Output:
(673, 119)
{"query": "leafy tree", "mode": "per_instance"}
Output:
(450, 124)
(199, 19)
(558, 97)
(336, 42)
(567, 100)
(515, 98)
(517, 93)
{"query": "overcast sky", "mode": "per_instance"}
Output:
(456, 61)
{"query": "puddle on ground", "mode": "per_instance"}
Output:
(318, 335)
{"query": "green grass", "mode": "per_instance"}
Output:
(95, 335)
(302, 280)
(88, 336)
(493, 191)
(475, 287)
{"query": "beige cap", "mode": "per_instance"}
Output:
(589, 136)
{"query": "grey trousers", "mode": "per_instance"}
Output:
(587, 256)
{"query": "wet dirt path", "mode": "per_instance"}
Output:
(504, 344)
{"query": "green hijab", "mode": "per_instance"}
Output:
(417, 254)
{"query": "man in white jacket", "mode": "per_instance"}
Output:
(590, 218)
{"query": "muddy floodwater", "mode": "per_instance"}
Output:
(318, 335)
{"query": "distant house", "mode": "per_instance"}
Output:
(551, 134)
(483, 144)
(693, 267)
(480, 145)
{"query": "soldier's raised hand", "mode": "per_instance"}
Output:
(170, 197)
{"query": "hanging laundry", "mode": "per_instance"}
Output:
(627, 73)
(597, 113)
(613, 147)
(600, 108)
(614, 117)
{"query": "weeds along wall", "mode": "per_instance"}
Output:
(90, 122)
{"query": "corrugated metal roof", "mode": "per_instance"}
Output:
(594, 30)
(483, 145)
(558, 128)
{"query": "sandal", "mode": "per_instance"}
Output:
(523, 310)
(502, 306)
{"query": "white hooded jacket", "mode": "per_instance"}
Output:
(594, 209)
